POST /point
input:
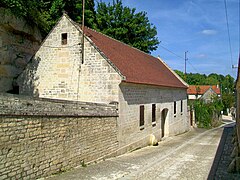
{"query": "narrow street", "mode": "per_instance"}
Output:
(186, 156)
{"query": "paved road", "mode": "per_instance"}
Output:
(187, 156)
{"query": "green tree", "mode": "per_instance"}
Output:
(228, 97)
(45, 13)
(180, 73)
(211, 80)
(208, 114)
(74, 10)
(124, 24)
(228, 84)
(28, 9)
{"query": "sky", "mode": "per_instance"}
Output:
(198, 27)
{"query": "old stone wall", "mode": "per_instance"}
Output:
(39, 138)
(18, 43)
(132, 96)
(57, 71)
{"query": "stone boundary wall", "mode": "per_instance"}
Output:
(25, 105)
(39, 137)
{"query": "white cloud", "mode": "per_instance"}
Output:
(200, 56)
(209, 32)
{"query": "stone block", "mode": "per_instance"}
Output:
(65, 66)
(237, 164)
(63, 76)
(4, 176)
(232, 166)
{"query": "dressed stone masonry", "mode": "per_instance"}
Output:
(57, 71)
(39, 137)
(151, 98)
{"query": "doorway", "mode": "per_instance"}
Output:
(163, 120)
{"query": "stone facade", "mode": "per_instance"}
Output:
(133, 96)
(208, 95)
(18, 43)
(204, 92)
(57, 71)
(37, 139)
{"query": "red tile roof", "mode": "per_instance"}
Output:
(135, 65)
(201, 89)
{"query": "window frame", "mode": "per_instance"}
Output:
(153, 114)
(175, 108)
(141, 116)
(64, 37)
(181, 106)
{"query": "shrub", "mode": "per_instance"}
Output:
(208, 113)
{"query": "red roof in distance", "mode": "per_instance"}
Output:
(201, 89)
(137, 66)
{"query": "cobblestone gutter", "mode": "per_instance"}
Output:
(221, 165)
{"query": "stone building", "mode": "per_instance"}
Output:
(204, 92)
(151, 98)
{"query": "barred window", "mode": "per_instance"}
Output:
(175, 107)
(153, 112)
(141, 115)
(181, 106)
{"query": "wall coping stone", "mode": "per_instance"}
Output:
(19, 105)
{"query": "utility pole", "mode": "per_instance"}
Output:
(83, 12)
(185, 69)
(79, 70)
(234, 67)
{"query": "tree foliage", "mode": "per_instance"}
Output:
(226, 84)
(126, 25)
(208, 114)
(45, 13)
(115, 20)
(28, 9)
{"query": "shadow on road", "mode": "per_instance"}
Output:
(223, 155)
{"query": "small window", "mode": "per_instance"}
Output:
(153, 113)
(175, 107)
(141, 116)
(64, 38)
(181, 106)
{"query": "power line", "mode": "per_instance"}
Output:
(229, 39)
(193, 67)
(171, 52)
(179, 57)
(185, 65)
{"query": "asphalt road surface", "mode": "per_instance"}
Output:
(187, 156)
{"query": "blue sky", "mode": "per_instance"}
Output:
(196, 26)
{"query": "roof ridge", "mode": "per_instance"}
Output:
(146, 58)
(121, 42)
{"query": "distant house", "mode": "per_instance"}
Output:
(205, 92)
(151, 98)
